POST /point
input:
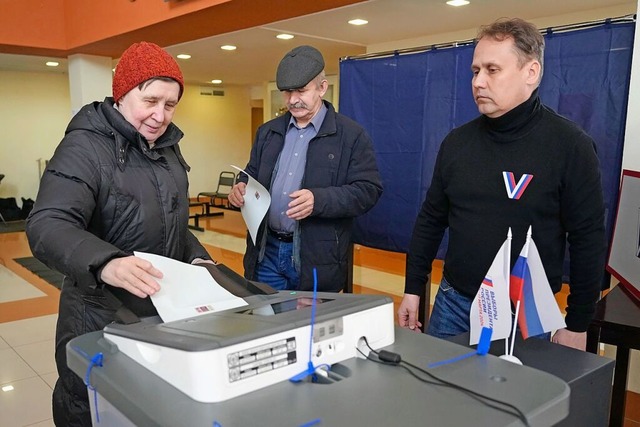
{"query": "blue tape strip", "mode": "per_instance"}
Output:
(82, 352)
(313, 313)
(452, 360)
(311, 423)
(483, 348)
(485, 341)
(96, 360)
(311, 370)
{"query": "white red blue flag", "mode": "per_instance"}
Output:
(491, 307)
(539, 312)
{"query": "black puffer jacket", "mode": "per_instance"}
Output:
(105, 194)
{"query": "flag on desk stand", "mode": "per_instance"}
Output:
(491, 308)
(536, 308)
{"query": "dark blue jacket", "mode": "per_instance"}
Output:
(342, 174)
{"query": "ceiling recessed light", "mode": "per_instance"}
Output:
(358, 22)
(52, 64)
(7, 388)
(216, 81)
(228, 47)
(284, 36)
(183, 56)
(457, 3)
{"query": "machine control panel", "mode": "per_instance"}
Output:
(258, 360)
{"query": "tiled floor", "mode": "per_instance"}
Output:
(28, 313)
(27, 365)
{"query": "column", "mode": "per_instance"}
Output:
(89, 79)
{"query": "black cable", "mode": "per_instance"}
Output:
(382, 362)
(436, 383)
(481, 398)
(485, 400)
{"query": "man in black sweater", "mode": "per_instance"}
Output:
(515, 140)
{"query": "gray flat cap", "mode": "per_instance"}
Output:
(299, 67)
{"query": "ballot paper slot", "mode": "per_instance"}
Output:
(235, 283)
(259, 360)
(286, 306)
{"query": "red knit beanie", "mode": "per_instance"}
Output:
(141, 62)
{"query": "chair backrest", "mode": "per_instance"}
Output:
(225, 182)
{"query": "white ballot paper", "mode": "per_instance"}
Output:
(256, 204)
(187, 290)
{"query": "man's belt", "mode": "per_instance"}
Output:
(282, 236)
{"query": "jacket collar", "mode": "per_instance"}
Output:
(125, 135)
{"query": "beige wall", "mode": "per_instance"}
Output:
(34, 111)
(217, 133)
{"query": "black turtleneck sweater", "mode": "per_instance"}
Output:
(563, 202)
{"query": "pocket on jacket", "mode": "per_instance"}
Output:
(126, 213)
(325, 176)
(97, 313)
(324, 245)
(126, 207)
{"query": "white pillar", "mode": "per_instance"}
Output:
(89, 79)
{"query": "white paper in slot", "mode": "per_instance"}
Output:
(187, 290)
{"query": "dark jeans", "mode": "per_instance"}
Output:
(450, 314)
(277, 269)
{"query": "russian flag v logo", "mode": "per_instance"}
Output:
(515, 191)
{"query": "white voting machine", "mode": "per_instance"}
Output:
(218, 356)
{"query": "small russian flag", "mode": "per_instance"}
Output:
(539, 312)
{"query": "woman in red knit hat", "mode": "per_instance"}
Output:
(116, 184)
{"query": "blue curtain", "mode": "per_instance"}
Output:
(409, 102)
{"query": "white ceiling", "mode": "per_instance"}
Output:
(259, 52)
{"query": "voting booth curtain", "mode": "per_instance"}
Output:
(408, 102)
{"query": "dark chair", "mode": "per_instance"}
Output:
(220, 197)
(204, 212)
(197, 215)
(1, 217)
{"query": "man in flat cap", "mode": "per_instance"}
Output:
(320, 169)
